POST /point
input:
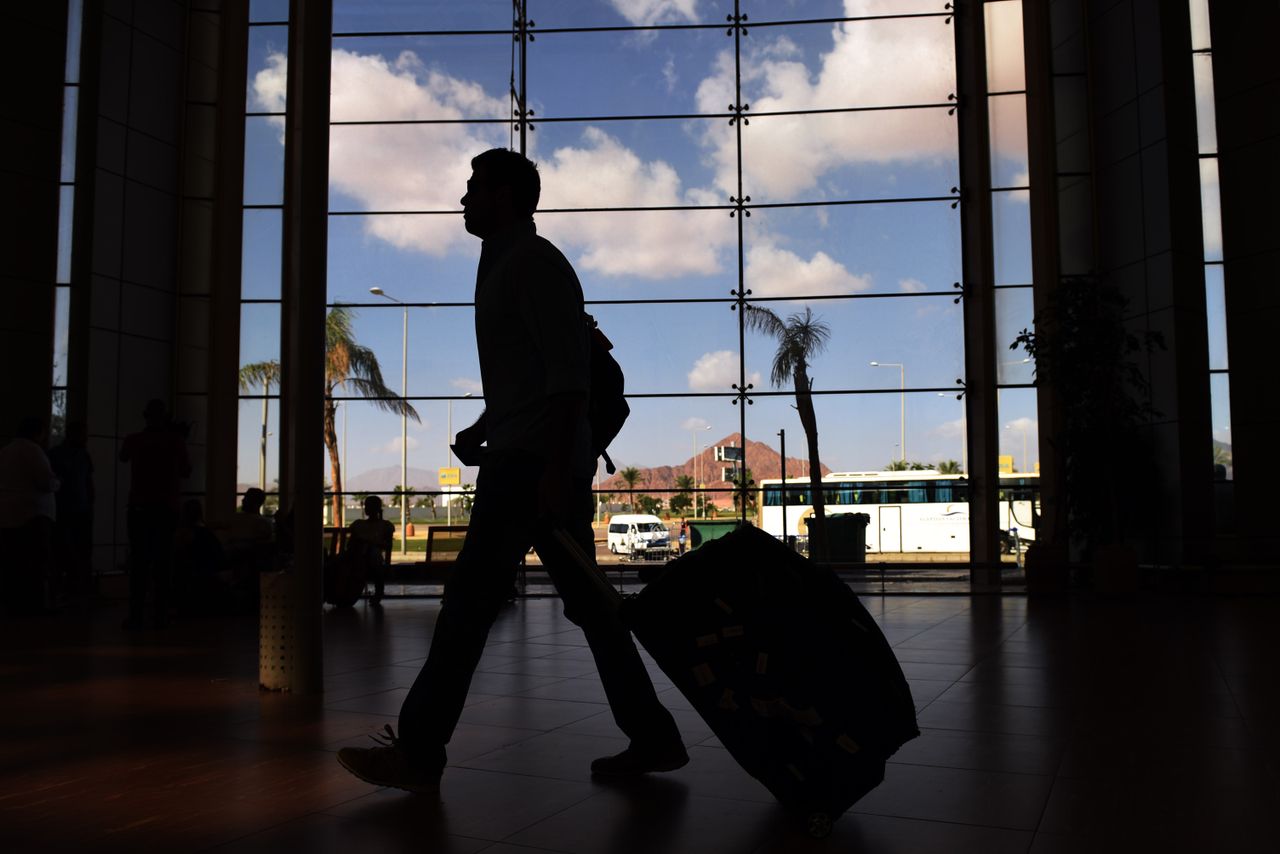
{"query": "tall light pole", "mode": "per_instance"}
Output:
(1023, 429)
(342, 499)
(964, 435)
(693, 434)
(404, 419)
(448, 448)
(902, 389)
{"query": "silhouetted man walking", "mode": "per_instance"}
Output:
(534, 365)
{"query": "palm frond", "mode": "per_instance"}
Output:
(265, 374)
(381, 396)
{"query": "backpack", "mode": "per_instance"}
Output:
(607, 407)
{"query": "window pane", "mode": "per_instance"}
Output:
(421, 77)
(66, 221)
(61, 333)
(1019, 428)
(1008, 117)
(1200, 38)
(648, 73)
(1005, 69)
(1011, 218)
(420, 258)
(263, 160)
(261, 255)
(259, 337)
(884, 248)
(1220, 409)
(406, 167)
(1206, 121)
(923, 333)
(75, 24)
(648, 254)
(388, 15)
(441, 349)
(269, 10)
(1216, 310)
(890, 154)
(70, 100)
(1210, 209)
(1014, 313)
(675, 348)
(257, 462)
(268, 47)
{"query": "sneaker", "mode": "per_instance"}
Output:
(641, 760)
(387, 765)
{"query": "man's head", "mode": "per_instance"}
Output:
(156, 413)
(503, 191)
(253, 500)
(373, 507)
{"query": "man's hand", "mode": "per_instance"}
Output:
(467, 442)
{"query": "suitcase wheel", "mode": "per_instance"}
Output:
(819, 825)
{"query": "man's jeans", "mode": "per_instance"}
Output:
(503, 526)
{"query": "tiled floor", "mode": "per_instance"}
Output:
(1053, 726)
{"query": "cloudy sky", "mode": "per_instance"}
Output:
(395, 191)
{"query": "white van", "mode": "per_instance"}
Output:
(638, 535)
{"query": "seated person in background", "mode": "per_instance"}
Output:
(249, 541)
(200, 576)
(369, 544)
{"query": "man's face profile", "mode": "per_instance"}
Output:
(483, 205)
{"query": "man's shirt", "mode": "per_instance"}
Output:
(532, 343)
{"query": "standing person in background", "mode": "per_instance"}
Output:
(532, 340)
(73, 530)
(27, 513)
(157, 457)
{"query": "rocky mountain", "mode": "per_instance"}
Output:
(761, 459)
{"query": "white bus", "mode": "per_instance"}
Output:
(911, 511)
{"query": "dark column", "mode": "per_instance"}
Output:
(1247, 87)
(979, 293)
(31, 148)
(302, 351)
(228, 235)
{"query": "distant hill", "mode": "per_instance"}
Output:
(761, 459)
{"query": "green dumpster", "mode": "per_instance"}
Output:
(702, 530)
(847, 537)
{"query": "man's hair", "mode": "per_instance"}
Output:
(507, 168)
(253, 497)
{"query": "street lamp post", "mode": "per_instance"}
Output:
(964, 435)
(404, 419)
(693, 434)
(448, 448)
(902, 393)
(1023, 429)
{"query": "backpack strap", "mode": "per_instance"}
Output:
(608, 463)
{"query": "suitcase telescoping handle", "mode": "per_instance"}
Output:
(584, 566)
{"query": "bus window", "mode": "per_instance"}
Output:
(917, 492)
(942, 491)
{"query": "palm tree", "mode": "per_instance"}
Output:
(347, 364)
(949, 467)
(630, 475)
(265, 374)
(428, 501)
(355, 368)
(800, 337)
(682, 499)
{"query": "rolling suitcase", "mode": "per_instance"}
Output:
(786, 666)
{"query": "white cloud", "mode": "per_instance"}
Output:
(644, 13)
(649, 244)
(912, 286)
(718, 371)
(950, 429)
(669, 74)
(1017, 425)
(466, 384)
(773, 272)
(400, 167)
(886, 62)
(392, 446)
(694, 423)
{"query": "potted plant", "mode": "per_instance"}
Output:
(1084, 355)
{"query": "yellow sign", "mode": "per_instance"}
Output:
(450, 476)
(1006, 464)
